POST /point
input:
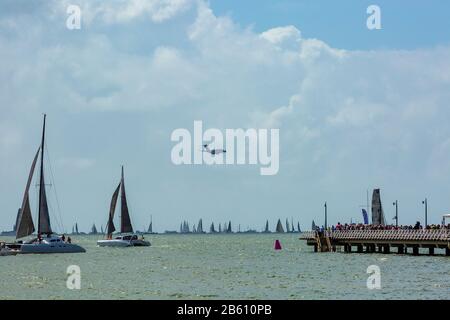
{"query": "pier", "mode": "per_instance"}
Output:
(379, 241)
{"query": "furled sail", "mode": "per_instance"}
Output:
(279, 228)
(125, 226)
(110, 226)
(377, 208)
(266, 229)
(24, 225)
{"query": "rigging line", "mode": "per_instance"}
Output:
(61, 224)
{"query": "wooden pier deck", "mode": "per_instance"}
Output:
(381, 241)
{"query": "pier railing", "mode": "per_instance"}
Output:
(383, 235)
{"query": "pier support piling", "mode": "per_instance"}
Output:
(360, 248)
(401, 249)
(431, 252)
(415, 251)
(447, 251)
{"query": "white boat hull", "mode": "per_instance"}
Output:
(123, 243)
(113, 243)
(50, 244)
(49, 248)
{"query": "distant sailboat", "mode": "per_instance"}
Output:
(279, 228)
(313, 226)
(298, 227)
(150, 226)
(127, 237)
(200, 226)
(94, 230)
(212, 229)
(266, 229)
(377, 209)
(51, 243)
(229, 230)
(220, 228)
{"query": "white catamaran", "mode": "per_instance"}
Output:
(126, 238)
(46, 241)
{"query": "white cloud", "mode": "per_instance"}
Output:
(124, 11)
(281, 34)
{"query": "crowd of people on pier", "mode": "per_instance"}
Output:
(360, 226)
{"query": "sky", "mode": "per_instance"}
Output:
(357, 109)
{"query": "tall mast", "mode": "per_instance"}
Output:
(41, 183)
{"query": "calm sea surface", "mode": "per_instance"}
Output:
(241, 266)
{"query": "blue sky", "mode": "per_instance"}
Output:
(356, 109)
(406, 24)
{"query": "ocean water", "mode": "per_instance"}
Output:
(238, 266)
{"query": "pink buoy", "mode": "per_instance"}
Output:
(277, 245)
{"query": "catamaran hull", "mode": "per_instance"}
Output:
(123, 243)
(45, 248)
(113, 243)
(8, 252)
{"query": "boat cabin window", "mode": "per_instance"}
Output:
(134, 237)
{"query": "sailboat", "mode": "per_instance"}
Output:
(212, 229)
(94, 230)
(127, 237)
(266, 229)
(46, 241)
(150, 226)
(279, 228)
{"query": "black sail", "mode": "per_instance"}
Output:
(44, 218)
(110, 227)
(279, 228)
(24, 225)
(377, 208)
(125, 226)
